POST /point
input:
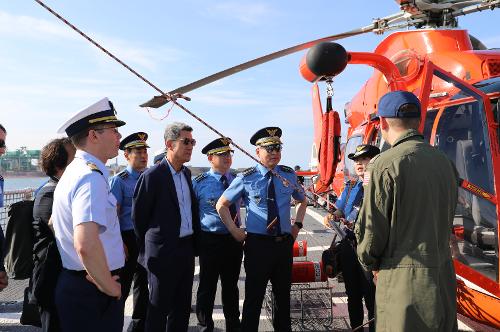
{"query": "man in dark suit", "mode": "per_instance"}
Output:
(166, 221)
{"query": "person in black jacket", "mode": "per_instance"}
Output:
(55, 156)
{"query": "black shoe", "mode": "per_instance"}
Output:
(233, 325)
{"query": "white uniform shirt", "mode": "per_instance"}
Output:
(83, 195)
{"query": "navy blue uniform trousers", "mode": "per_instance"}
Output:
(267, 259)
(170, 278)
(220, 256)
(134, 271)
(82, 307)
(358, 285)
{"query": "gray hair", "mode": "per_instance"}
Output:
(173, 130)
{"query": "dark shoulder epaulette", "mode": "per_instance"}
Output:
(94, 167)
(248, 171)
(286, 169)
(123, 174)
(200, 177)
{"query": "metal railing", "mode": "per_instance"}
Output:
(11, 197)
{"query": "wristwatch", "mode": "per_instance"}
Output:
(299, 224)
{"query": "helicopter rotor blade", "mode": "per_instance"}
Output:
(411, 15)
(159, 101)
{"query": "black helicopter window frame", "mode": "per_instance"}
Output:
(483, 99)
(490, 128)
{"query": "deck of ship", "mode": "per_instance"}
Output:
(318, 239)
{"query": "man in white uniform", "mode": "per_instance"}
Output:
(86, 226)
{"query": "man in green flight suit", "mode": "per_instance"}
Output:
(405, 222)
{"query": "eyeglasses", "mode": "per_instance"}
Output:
(225, 154)
(187, 141)
(101, 130)
(272, 147)
(2, 144)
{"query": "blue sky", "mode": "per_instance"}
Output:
(48, 72)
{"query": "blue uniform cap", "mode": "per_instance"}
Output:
(217, 146)
(266, 136)
(134, 141)
(391, 102)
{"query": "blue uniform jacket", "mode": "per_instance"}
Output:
(122, 186)
(251, 186)
(208, 188)
(351, 197)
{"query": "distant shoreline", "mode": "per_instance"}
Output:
(15, 175)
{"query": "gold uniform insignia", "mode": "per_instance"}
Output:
(359, 148)
(225, 140)
(92, 166)
(271, 132)
(141, 136)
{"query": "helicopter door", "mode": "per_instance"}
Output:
(466, 133)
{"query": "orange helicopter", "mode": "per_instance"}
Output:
(458, 82)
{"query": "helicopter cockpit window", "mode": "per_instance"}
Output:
(350, 147)
(462, 135)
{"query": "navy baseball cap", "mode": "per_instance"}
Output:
(391, 102)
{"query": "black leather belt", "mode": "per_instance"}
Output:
(83, 273)
(186, 238)
(216, 234)
(278, 238)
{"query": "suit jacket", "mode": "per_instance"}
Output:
(156, 214)
(46, 259)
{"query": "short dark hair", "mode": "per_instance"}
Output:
(406, 123)
(79, 138)
(2, 128)
(54, 156)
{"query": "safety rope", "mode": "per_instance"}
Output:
(174, 101)
(361, 326)
(168, 96)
